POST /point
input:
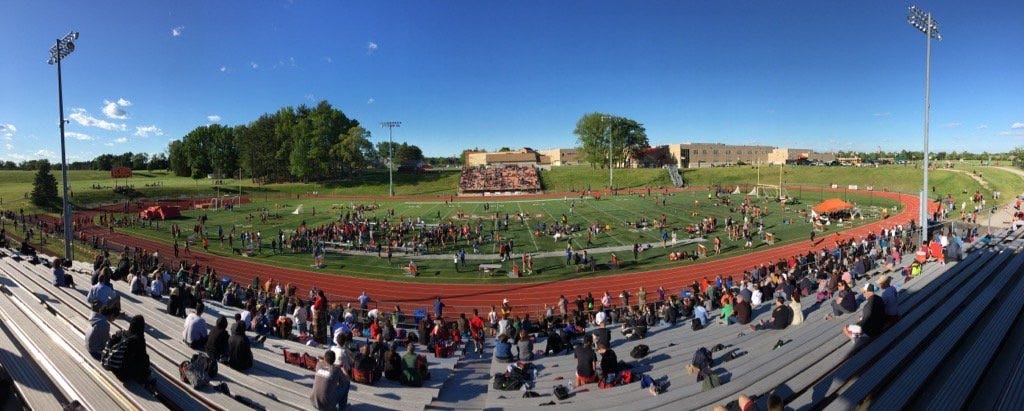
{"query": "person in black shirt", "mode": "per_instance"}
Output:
(602, 335)
(743, 309)
(609, 361)
(586, 363)
(782, 315)
(872, 320)
(217, 342)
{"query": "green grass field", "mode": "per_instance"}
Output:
(613, 211)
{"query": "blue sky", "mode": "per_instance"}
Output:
(460, 74)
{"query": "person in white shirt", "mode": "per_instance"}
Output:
(492, 319)
(156, 289)
(196, 331)
(301, 316)
(503, 326)
(700, 313)
(755, 297)
(600, 318)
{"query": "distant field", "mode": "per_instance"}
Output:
(14, 185)
(616, 212)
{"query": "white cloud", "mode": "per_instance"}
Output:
(123, 103)
(82, 117)
(983, 126)
(310, 97)
(328, 59)
(1017, 125)
(78, 136)
(121, 140)
(108, 144)
(214, 118)
(885, 114)
(370, 101)
(371, 47)
(254, 65)
(9, 146)
(16, 156)
(145, 131)
(953, 125)
(46, 153)
(8, 128)
(176, 32)
(114, 111)
(223, 69)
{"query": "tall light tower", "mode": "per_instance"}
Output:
(58, 52)
(611, 178)
(923, 21)
(390, 125)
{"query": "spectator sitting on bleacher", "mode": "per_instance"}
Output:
(602, 335)
(99, 331)
(872, 320)
(782, 316)
(61, 278)
(414, 367)
(196, 331)
(392, 363)
(700, 313)
(343, 356)
(239, 349)
(888, 294)
(156, 288)
(743, 309)
(845, 301)
(524, 347)
(609, 361)
(103, 294)
(586, 363)
(366, 370)
(794, 304)
(137, 285)
(503, 349)
(217, 341)
(136, 360)
(330, 385)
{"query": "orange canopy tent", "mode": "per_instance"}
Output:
(831, 205)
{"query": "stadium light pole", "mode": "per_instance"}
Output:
(923, 21)
(611, 177)
(390, 125)
(58, 52)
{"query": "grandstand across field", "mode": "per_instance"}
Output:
(499, 179)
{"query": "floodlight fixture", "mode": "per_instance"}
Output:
(923, 21)
(58, 52)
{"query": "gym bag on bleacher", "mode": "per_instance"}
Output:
(196, 371)
(640, 351)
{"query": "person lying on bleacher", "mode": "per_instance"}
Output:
(195, 332)
(782, 316)
(330, 385)
(217, 341)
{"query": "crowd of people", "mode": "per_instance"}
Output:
(500, 178)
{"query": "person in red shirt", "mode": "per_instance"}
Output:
(476, 330)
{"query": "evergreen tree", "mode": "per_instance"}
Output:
(44, 188)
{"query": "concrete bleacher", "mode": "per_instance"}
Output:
(757, 369)
(281, 385)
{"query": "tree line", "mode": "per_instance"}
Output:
(293, 144)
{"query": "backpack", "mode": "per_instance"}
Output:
(702, 359)
(710, 379)
(696, 324)
(561, 392)
(196, 371)
(113, 356)
(508, 381)
(640, 351)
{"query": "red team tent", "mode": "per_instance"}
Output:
(161, 212)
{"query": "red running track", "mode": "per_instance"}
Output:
(532, 295)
